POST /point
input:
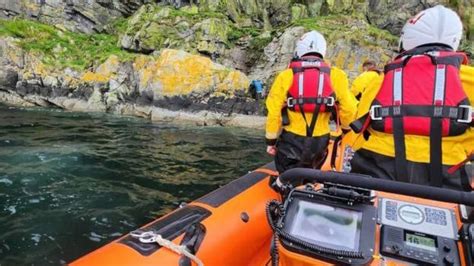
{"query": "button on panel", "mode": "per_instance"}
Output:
(391, 210)
(435, 216)
(418, 218)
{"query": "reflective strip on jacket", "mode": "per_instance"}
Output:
(277, 97)
(454, 148)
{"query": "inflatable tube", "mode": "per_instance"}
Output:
(298, 175)
(228, 227)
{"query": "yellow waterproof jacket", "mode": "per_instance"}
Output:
(278, 94)
(455, 148)
(363, 81)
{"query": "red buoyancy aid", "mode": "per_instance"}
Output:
(311, 86)
(421, 94)
(419, 86)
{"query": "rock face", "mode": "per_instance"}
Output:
(155, 27)
(349, 46)
(75, 15)
(173, 80)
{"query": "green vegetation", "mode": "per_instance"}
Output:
(196, 15)
(61, 48)
(119, 26)
(239, 32)
(382, 35)
(159, 12)
(468, 47)
(259, 43)
(325, 24)
(344, 27)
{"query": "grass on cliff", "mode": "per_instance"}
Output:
(347, 27)
(61, 48)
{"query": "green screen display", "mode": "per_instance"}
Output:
(420, 241)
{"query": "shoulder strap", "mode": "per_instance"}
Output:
(438, 55)
(310, 62)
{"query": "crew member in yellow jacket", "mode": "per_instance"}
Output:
(362, 82)
(438, 29)
(300, 104)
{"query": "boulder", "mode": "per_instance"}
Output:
(177, 73)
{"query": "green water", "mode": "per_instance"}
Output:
(72, 182)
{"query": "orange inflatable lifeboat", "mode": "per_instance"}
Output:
(315, 218)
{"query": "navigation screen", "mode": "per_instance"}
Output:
(422, 242)
(327, 226)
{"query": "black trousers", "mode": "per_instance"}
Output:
(299, 151)
(381, 166)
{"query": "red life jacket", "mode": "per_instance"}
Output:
(419, 86)
(421, 94)
(311, 86)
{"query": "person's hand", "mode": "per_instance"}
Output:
(272, 150)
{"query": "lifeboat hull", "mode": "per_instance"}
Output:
(234, 229)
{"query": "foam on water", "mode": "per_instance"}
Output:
(6, 181)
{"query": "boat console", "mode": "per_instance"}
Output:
(340, 218)
(417, 232)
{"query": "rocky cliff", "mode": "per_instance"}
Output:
(158, 58)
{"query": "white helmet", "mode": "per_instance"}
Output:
(311, 42)
(433, 25)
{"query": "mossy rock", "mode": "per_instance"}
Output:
(192, 10)
(298, 11)
(213, 29)
(58, 48)
(155, 27)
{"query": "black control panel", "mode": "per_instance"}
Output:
(418, 247)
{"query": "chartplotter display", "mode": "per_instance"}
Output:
(327, 226)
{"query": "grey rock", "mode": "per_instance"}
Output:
(76, 15)
(10, 8)
(10, 54)
(8, 77)
(277, 55)
(400, 11)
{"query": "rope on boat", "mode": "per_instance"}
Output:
(181, 250)
(150, 237)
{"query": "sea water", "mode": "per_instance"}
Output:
(72, 182)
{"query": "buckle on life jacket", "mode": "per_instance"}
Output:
(375, 112)
(328, 101)
(469, 113)
(331, 101)
(289, 102)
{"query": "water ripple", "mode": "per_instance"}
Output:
(71, 182)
